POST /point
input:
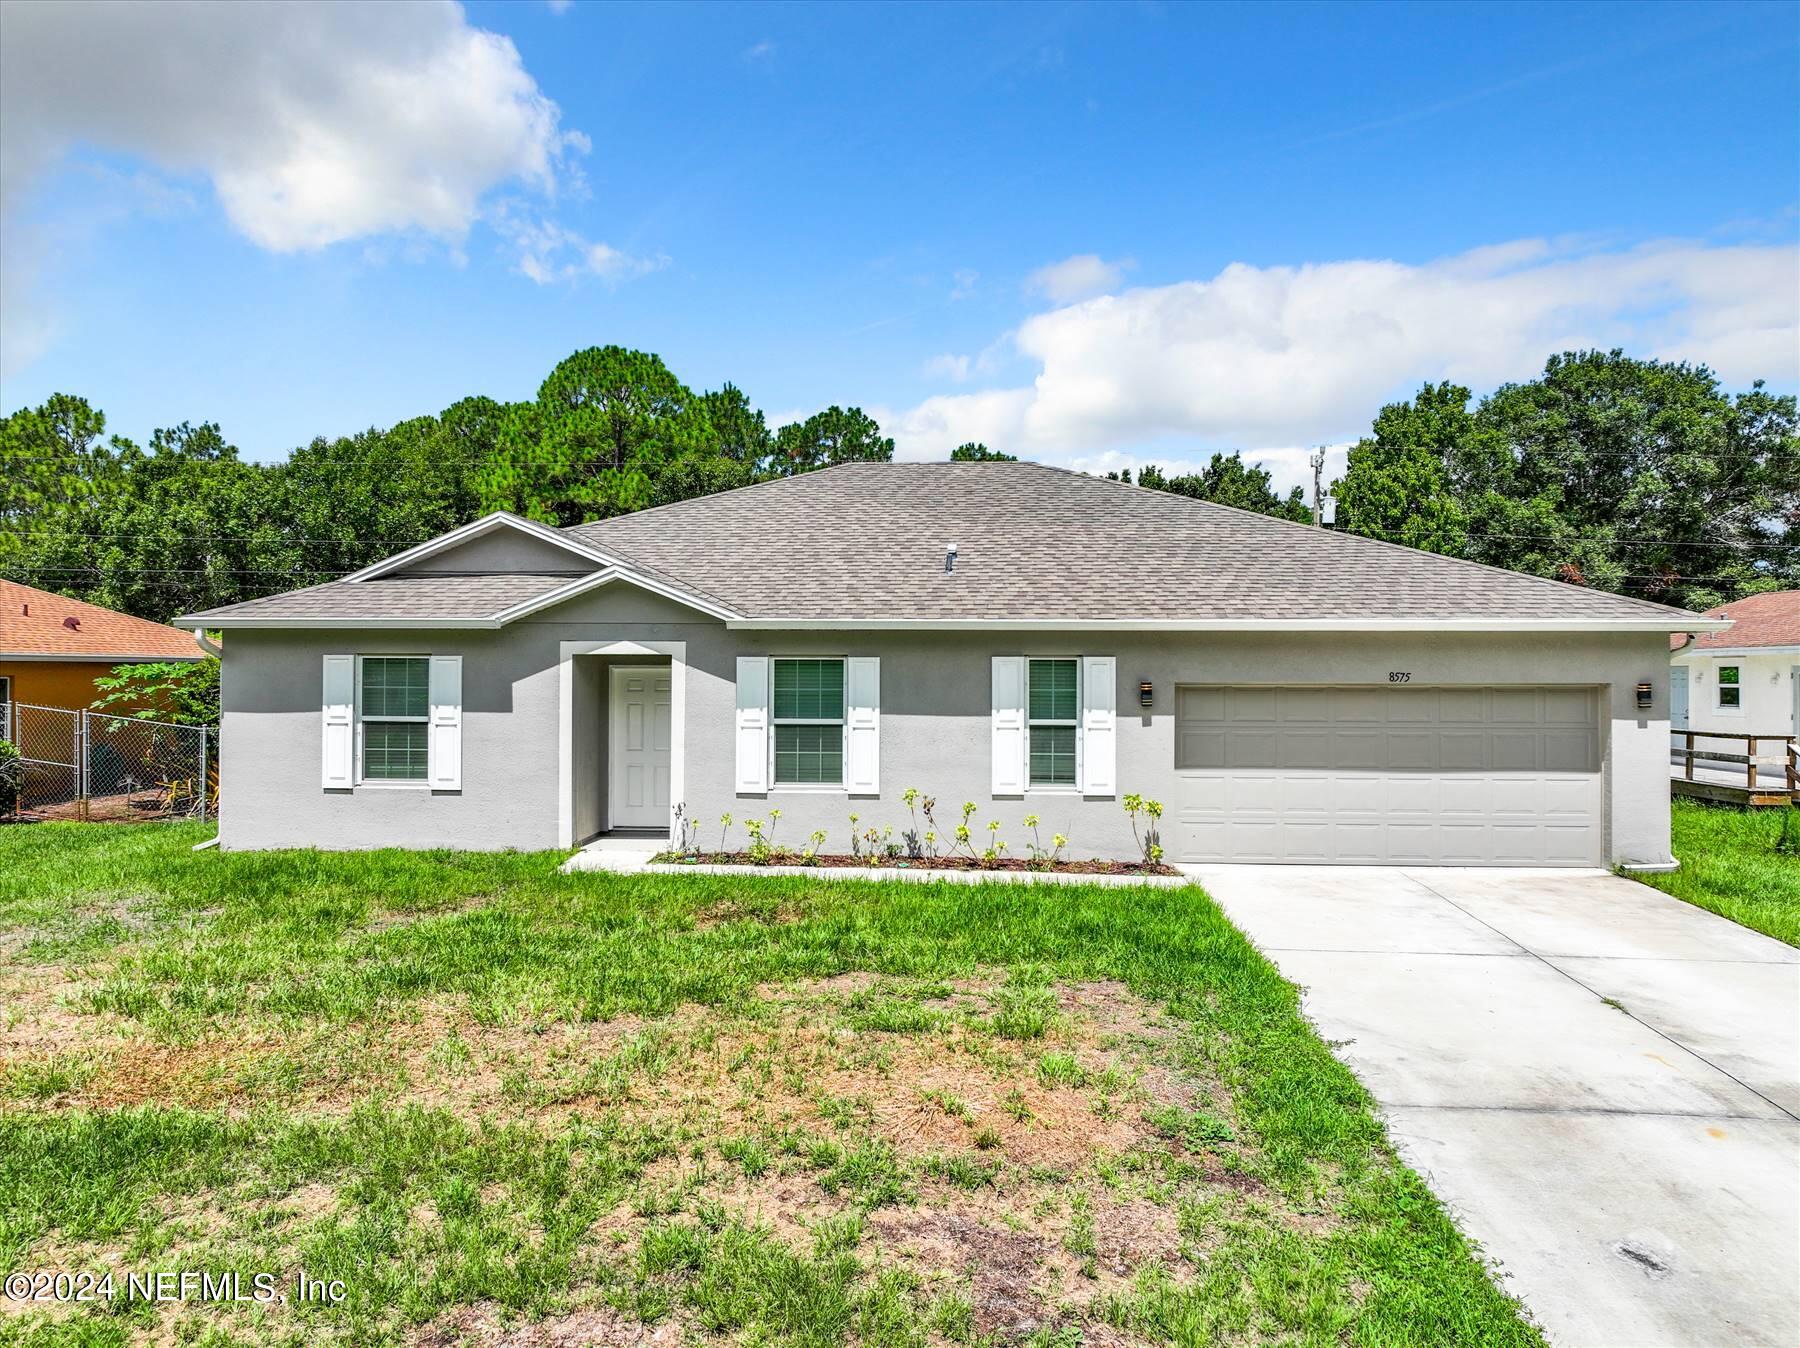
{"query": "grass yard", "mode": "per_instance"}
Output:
(505, 1106)
(1729, 866)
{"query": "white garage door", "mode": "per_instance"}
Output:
(1456, 776)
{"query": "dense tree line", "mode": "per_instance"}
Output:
(1228, 480)
(1635, 476)
(185, 523)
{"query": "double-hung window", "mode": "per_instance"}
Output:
(1053, 708)
(1731, 690)
(393, 707)
(808, 714)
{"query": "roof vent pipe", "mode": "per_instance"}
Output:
(949, 558)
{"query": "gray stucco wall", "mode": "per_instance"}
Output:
(501, 550)
(934, 724)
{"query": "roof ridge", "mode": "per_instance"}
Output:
(1317, 530)
(707, 496)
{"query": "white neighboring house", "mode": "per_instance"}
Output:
(1745, 680)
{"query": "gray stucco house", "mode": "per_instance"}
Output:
(1029, 639)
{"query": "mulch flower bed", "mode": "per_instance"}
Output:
(839, 861)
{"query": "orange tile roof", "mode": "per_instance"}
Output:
(42, 625)
(1771, 619)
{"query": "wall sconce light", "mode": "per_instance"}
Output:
(1144, 693)
(1643, 696)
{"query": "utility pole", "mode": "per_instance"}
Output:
(1318, 467)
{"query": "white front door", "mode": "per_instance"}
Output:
(638, 747)
(1678, 698)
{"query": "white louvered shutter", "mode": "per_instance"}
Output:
(445, 728)
(862, 725)
(753, 723)
(1099, 726)
(1009, 725)
(337, 712)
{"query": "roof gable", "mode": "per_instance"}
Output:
(483, 538)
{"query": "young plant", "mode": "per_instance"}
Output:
(810, 857)
(724, 829)
(933, 833)
(965, 839)
(686, 831)
(1149, 841)
(759, 848)
(991, 855)
(1041, 859)
(855, 838)
(915, 847)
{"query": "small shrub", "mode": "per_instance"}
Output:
(12, 776)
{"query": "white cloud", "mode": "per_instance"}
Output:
(759, 51)
(964, 279)
(1274, 356)
(1077, 277)
(314, 124)
(953, 368)
(548, 253)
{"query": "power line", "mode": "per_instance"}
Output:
(532, 453)
(281, 540)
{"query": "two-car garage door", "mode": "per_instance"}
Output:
(1454, 776)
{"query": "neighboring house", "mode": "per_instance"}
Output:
(52, 648)
(1027, 639)
(1745, 681)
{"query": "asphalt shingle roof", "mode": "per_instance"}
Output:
(1771, 619)
(867, 541)
(398, 597)
(37, 623)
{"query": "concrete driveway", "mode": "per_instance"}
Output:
(1602, 1082)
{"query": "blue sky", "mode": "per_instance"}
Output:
(1094, 235)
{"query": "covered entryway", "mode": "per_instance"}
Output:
(1389, 775)
(622, 727)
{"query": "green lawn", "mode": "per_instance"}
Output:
(484, 1096)
(1729, 866)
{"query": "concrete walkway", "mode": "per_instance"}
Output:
(1602, 1082)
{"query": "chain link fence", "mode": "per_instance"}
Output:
(94, 766)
